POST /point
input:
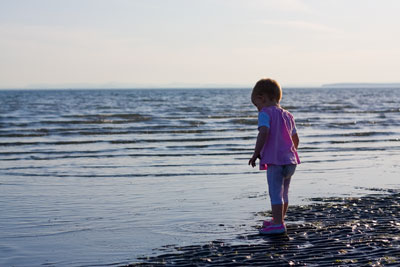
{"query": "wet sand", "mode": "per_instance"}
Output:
(332, 231)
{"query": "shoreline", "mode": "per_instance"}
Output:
(331, 231)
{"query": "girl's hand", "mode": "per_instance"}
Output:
(252, 161)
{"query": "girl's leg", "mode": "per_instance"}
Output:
(279, 177)
(285, 208)
(275, 188)
(277, 213)
(286, 183)
(288, 172)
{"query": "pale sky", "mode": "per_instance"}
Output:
(135, 43)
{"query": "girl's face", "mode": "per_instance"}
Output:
(258, 101)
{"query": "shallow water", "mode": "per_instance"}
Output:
(94, 177)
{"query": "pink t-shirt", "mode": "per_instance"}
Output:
(278, 148)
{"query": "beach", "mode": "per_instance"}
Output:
(119, 177)
(361, 231)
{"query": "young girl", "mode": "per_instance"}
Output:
(276, 147)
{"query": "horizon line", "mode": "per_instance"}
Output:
(111, 86)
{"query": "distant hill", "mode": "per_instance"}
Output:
(362, 85)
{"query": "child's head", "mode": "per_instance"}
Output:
(268, 88)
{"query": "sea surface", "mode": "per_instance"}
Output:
(98, 177)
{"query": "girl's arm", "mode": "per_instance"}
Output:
(296, 140)
(261, 138)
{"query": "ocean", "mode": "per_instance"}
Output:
(100, 177)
